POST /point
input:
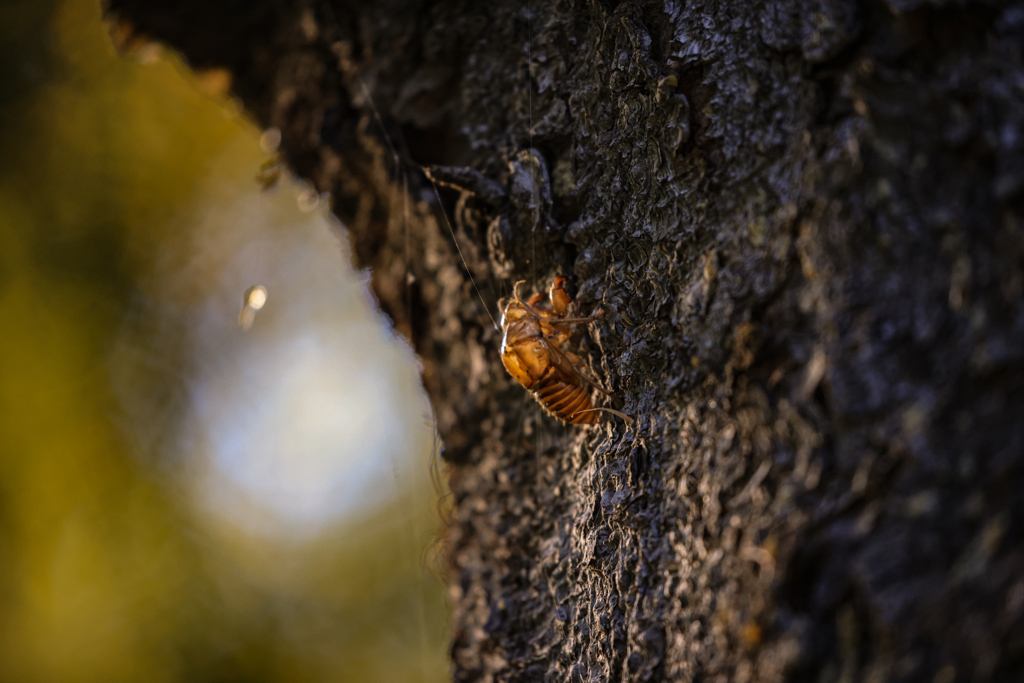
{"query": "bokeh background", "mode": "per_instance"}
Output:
(182, 499)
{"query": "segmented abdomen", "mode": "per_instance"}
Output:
(563, 400)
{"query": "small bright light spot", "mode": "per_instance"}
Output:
(257, 296)
(252, 301)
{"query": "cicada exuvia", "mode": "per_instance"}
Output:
(531, 351)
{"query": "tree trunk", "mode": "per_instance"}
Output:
(803, 221)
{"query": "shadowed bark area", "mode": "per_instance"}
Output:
(804, 223)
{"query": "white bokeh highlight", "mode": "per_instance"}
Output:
(314, 412)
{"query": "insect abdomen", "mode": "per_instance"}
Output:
(565, 401)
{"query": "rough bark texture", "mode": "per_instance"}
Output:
(804, 221)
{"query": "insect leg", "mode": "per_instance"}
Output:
(566, 321)
(559, 298)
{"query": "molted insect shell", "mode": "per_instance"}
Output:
(531, 354)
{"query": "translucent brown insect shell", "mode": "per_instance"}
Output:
(531, 352)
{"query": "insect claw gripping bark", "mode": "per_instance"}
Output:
(531, 352)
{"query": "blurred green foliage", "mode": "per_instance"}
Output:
(105, 572)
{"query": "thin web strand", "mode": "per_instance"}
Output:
(459, 248)
(394, 151)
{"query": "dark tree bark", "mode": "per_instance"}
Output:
(804, 223)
